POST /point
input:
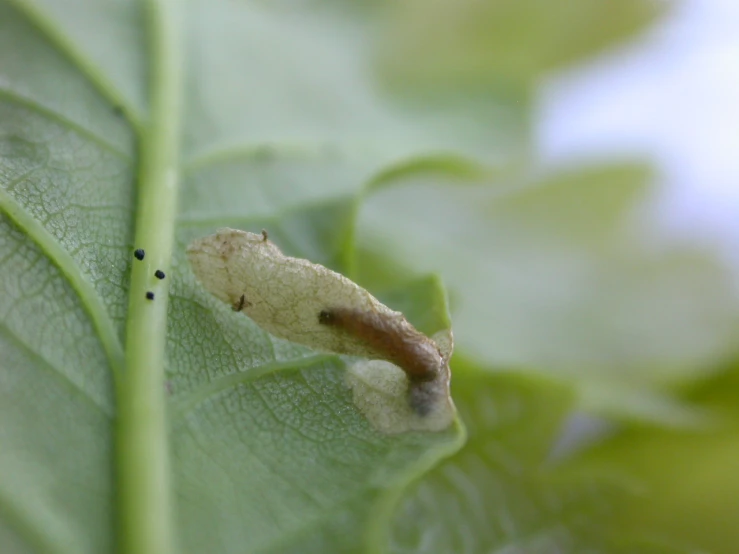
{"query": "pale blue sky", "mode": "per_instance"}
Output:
(673, 95)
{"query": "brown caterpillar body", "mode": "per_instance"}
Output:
(393, 339)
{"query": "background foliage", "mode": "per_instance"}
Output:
(392, 142)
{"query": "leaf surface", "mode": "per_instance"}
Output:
(556, 272)
(503, 493)
(283, 126)
(269, 452)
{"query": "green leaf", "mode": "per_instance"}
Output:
(556, 272)
(151, 426)
(503, 44)
(688, 479)
(268, 449)
(689, 483)
(274, 461)
(502, 493)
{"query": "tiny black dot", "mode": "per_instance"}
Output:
(138, 254)
(149, 295)
(159, 274)
(325, 317)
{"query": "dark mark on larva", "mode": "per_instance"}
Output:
(149, 295)
(424, 396)
(139, 253)
(159, 274)
(396, 341)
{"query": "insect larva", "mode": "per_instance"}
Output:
(139, 253)
(159, 274)
(399, 344)
(149, 295)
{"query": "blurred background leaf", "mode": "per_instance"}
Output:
(479, 44)
(556, 273)
(689, 488)
(501, 494)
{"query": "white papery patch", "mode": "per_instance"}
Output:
(309, 304)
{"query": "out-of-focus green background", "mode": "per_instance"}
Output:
(603, 251)
(564, 256)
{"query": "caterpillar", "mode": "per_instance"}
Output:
(393, 339)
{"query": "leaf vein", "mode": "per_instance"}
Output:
(13, 337)
(25, 523)
(182, 405)
(12, 96)
(69, 268)
(47, 27)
